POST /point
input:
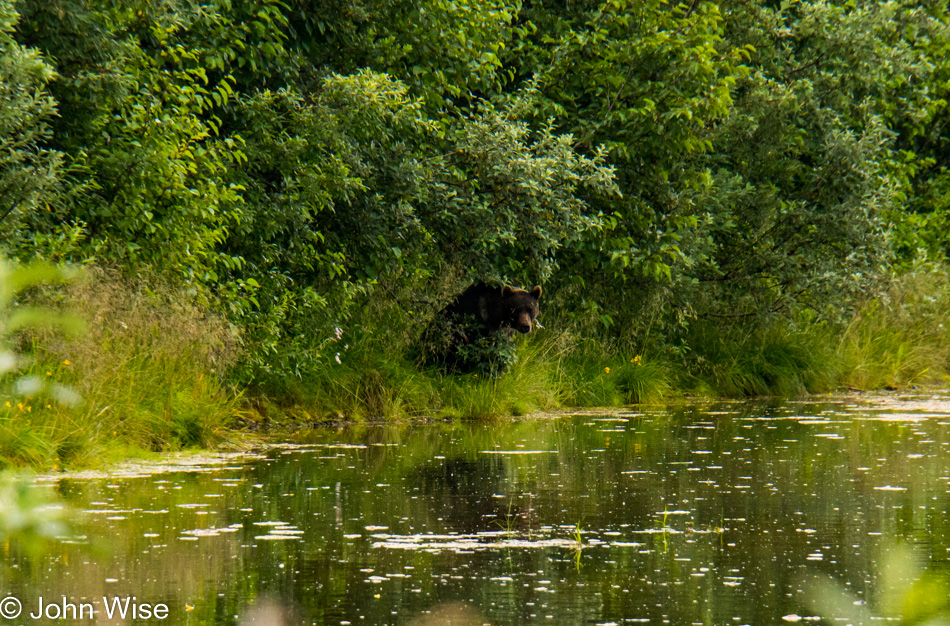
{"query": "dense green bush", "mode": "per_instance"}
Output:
(29, 169)
(709, 186)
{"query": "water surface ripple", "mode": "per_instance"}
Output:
(695, 513)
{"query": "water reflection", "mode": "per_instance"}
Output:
(699, 513)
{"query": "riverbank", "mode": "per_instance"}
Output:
(150, 373)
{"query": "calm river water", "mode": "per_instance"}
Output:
(697, 513)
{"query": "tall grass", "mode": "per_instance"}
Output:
(379, 378)
(149, 374)
(783, 358)
(896, 339)
(603, 374)
(902, 338)
(370, 382)
(146, 376)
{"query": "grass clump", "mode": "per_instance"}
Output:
(893, 340)
(902, 338)
(149, 372)
(365, 382)
(780, 358)
(530, 384)
(145, 376)
(602, 374)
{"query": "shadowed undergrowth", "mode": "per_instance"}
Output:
(149, 374)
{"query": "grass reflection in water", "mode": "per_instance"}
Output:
(694, 513)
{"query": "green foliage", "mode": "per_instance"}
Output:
(901, 338)
(146, 375)
(448, 52)
(28, 518)
(318, 207)
(490, 355)
(720, 186)
(146, 161)
(28, 169)
(747, 190)
(600, 76)
(356, 186)
(516, 197)
(907, 592)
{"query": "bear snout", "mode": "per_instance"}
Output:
(522, 323)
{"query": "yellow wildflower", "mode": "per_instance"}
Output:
(607, 370)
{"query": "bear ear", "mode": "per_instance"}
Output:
(536, 292)
(507, 291)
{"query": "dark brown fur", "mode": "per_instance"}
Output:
(468, 326)
(496, 307)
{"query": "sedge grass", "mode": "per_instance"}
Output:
(149, 374)
(902, 338)
(144, 377)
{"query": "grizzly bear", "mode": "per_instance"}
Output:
(475, 332)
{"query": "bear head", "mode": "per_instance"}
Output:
(519, 308)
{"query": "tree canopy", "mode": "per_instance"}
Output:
(650, 163)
